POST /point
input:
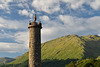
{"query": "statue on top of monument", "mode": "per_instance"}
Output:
(34, 17)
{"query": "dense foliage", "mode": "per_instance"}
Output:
(85, 63)
(24, 64)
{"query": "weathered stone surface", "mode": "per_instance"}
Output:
(35, 44)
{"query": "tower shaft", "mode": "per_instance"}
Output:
(35, 44)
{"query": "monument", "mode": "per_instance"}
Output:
(35, 43)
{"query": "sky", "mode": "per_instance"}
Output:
(58, 18)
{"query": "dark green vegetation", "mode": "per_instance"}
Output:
(89, 62)
(61, 51)
(4, 60)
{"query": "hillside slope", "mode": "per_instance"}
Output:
(72, 47)
(4, 60)
(66, 48)
(21, 59)
(92, 46)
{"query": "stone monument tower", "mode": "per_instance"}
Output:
(35, 43)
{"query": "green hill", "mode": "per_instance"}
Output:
(72, 47)
(21, 59)
(60, 51)
(4, 60)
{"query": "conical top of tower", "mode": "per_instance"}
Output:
(34, 17)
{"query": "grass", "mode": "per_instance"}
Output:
(67, 47)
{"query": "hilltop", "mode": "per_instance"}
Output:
(60, 51)
(72, 47)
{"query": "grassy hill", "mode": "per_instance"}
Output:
(21, 59)
(60, 51)
(72, 47)
(4, 60)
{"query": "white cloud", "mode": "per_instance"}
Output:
(13, 24)
(4, 4)
(94, 23)
(20, 1)
(69, 25)
(44, 18)
(49, 6)
(74, 4)
(98, 34)
(81, 24)
(11, 47)
(5, 35)
(62, 25)
(24, 12)
(23, 5)
(95, 4)
(22, 37)
(28, 13)
(8, 5)
(1, 25)
(72, 23)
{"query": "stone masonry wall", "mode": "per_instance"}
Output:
(34, 46)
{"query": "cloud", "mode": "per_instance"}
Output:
(28, 13)
(74, 4)
(65, 24)
(20, 38)
(5, 35)
(9, 5)
(94, 23)
(98, 34)
(4, 4)
(1, 25)
(62, 25)
(23, 5)
(23, 38)
(11, 47)
(44, 18)
(49, 6)
(95, 4)
(21, 42)
(72, 22)
(13, 24)
(76, 24)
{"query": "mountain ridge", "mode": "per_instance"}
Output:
(4, 60)
(67, 47)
